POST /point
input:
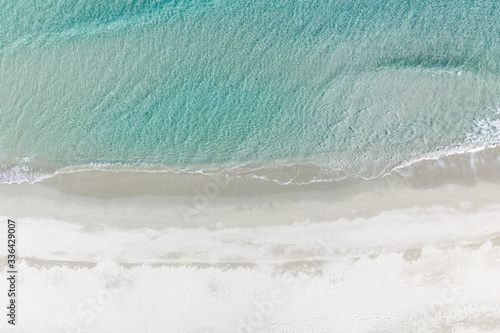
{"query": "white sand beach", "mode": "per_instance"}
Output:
(132, 252)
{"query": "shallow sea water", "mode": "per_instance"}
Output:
(352, 88)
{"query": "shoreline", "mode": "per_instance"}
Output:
(290, 172)
(183, 200)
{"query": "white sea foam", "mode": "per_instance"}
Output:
(284, 174)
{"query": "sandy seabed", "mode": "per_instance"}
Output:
(136, 252)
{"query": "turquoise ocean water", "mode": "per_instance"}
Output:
(349, 87)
